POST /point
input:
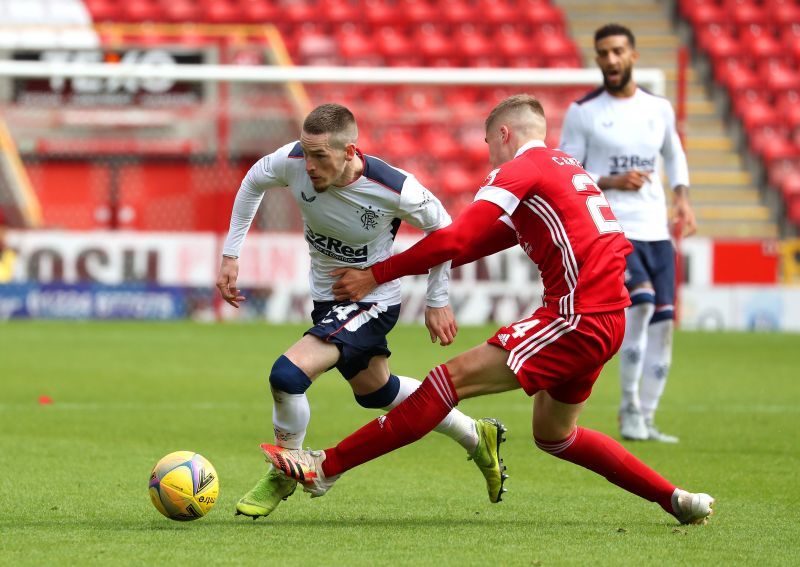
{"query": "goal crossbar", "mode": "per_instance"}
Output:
(653, 78)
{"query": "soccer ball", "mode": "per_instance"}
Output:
(184, 486)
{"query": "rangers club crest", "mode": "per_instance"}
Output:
(369, 219)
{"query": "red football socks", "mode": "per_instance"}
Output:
(411, 420)
(605, 456)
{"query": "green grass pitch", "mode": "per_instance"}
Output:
(73, 474)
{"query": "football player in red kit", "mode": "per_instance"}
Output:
(544, 201)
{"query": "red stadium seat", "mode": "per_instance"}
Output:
(456, 12)
(298, 13)
(379, 13)
(555, 49)
(415, 12)
(181, 11)
(760, 114)
(783, 81)
(432, 42)
(718, 42)
(735, 73)
(339, 12)
(472, 42)
(511, 42)
(764, 48)
(358, 48)
(780, 170)
(790, 188)
(748, 13)
(137, 11)
(391, 42)
(381, 103)
(783, 14)
(439, 143)
(258, 11)
(540, 15)
(398, 142)
(221, 12)
(498, 12)
(687, 7)
(777, 148)
(704, 14)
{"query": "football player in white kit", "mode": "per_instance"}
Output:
(352, 205)
(622, 134)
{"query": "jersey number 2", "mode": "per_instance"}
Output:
(594, 203)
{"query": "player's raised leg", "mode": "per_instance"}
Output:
(481, 370)
(290, 377)
(556, 432)
(481, 438)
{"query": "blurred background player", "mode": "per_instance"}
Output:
(351, 205)
(543, 200)
(620, 133)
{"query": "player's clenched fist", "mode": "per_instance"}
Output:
(353, 284)
(630, 180)
(226, 281)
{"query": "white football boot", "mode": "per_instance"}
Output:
(303, 466)
(631, 424)
(692, 508)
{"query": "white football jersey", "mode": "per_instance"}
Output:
(612, 135)
(352, 226)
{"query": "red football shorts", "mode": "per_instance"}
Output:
(561, 354)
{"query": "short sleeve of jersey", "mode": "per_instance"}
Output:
(508, 185)
(270, 170)
(420, 208)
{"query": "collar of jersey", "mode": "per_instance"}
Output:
(530, 144)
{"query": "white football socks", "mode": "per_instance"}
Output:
(631, 353)
(290, 416)
(456, 425)
(657, 360)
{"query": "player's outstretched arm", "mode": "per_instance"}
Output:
(226, 281)
(455, 240)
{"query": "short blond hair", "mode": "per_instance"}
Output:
(515, 103)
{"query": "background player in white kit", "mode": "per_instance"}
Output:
(620, 133)
(352, 205)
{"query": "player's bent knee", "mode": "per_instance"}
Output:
(382, 397)
(287, 377)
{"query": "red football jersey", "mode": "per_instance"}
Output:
(565, 225)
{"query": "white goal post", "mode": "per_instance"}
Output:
(652, 78)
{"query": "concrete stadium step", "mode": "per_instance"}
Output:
(722, 195)
(706, 126)
(732, 212)
(713, 160)
(709, 143)
(731, 178)
(738, 229)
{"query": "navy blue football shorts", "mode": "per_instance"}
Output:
(653, 262)
(358, 329)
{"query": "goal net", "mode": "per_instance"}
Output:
(118, 169)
